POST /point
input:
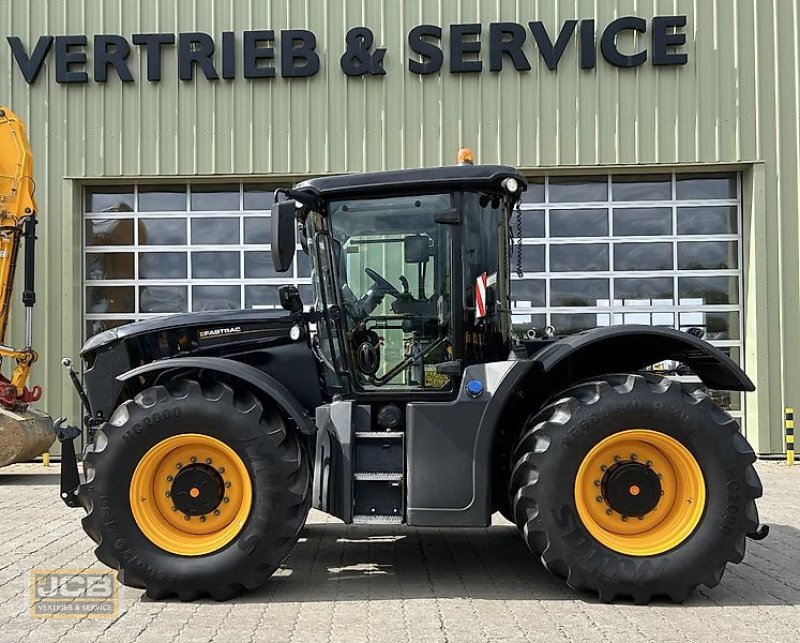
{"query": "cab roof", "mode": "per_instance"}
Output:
(478, 177)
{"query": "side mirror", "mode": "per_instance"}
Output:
(283, 234)
(417, 248)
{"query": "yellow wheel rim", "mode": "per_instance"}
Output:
(191, 494)
(620, 472)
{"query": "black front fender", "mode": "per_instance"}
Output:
(247, 374)
(626, 349)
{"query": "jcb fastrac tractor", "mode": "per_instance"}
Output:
(400, 395)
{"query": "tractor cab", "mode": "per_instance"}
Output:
(410, 270)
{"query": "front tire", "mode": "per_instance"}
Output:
(193, 490)
(635, 486)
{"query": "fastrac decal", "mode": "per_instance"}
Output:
(216, 332)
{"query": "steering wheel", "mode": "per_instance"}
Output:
(382, 283)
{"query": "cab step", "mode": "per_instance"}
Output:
(368, 519)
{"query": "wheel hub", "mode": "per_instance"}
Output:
(631, 488)
(197, 490)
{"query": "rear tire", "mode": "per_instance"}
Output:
(550, 500)
(270, 461)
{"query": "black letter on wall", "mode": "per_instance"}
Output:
(432, 56)
(512, 47)
(298, 55)
(254, 53)
(30, 67)
(66, 58)
(459, 47)
(196, 49)
(228, 55)
(551, 54)
(588, 45)
(608, 43)
(664, 38)
(111, 50)
(153, 43)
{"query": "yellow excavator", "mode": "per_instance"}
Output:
(24, 432)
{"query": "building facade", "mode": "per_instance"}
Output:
(661, 139)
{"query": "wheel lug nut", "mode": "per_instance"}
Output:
(202, 518)
(193, 459)
(596, 483)
(221, 469)
(641, 517)
(170, 478)
(649, 463)
(617, 458)
(226, 499)
(187, 517)
(634, 456)
(660, 476)
(624, 518)
(609, 512)
(216, 512)
(603, 467)
(662, 492)
(166, 493)
(174, 509)
(228, 484)
(599, 498)
(208, 460)
(179, 465)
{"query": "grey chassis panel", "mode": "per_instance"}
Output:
(448, 452)
(266, 383)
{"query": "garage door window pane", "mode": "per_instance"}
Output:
(101, 325)
(214, 198)
(162, 232)
(258, 197)
(532, 224)
(579, 292)
(262, 296)
(216, 298)
(570, 324)
(642, 222)
(258, 265)
(719, 327)
(578, 257)
(579, 223)
(163, 299)
(643, 256)
(110, 199)
(704, 186)
(708, 291)
(708, 221)
(162, 265)
(528, 293)
(215, 231)
(110, 299)
(109, 232)
(532, 258)
(163, 198)
(109, 265)
(535, 191)
(708, 255)
(257, 230)
(578, 190)
(303, 266)
(654, 291)
(215, 265)
(642, 188)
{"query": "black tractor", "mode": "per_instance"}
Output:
(401, 395)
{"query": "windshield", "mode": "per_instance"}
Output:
(394, 273)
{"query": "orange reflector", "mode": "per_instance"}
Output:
(634, 490)
(194, 492)
(465, 157)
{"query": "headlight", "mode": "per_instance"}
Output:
(511, 185)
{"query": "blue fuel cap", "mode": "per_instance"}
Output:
(474, 388)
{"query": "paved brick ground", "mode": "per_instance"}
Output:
(370, 584)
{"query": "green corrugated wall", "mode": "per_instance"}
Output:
(735, 104)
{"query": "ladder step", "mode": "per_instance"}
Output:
(369, 475)
(379, 434)
(377, 520)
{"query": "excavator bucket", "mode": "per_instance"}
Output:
(24, 435)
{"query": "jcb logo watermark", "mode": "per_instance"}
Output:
(71, 593)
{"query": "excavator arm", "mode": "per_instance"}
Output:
(17, 221)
